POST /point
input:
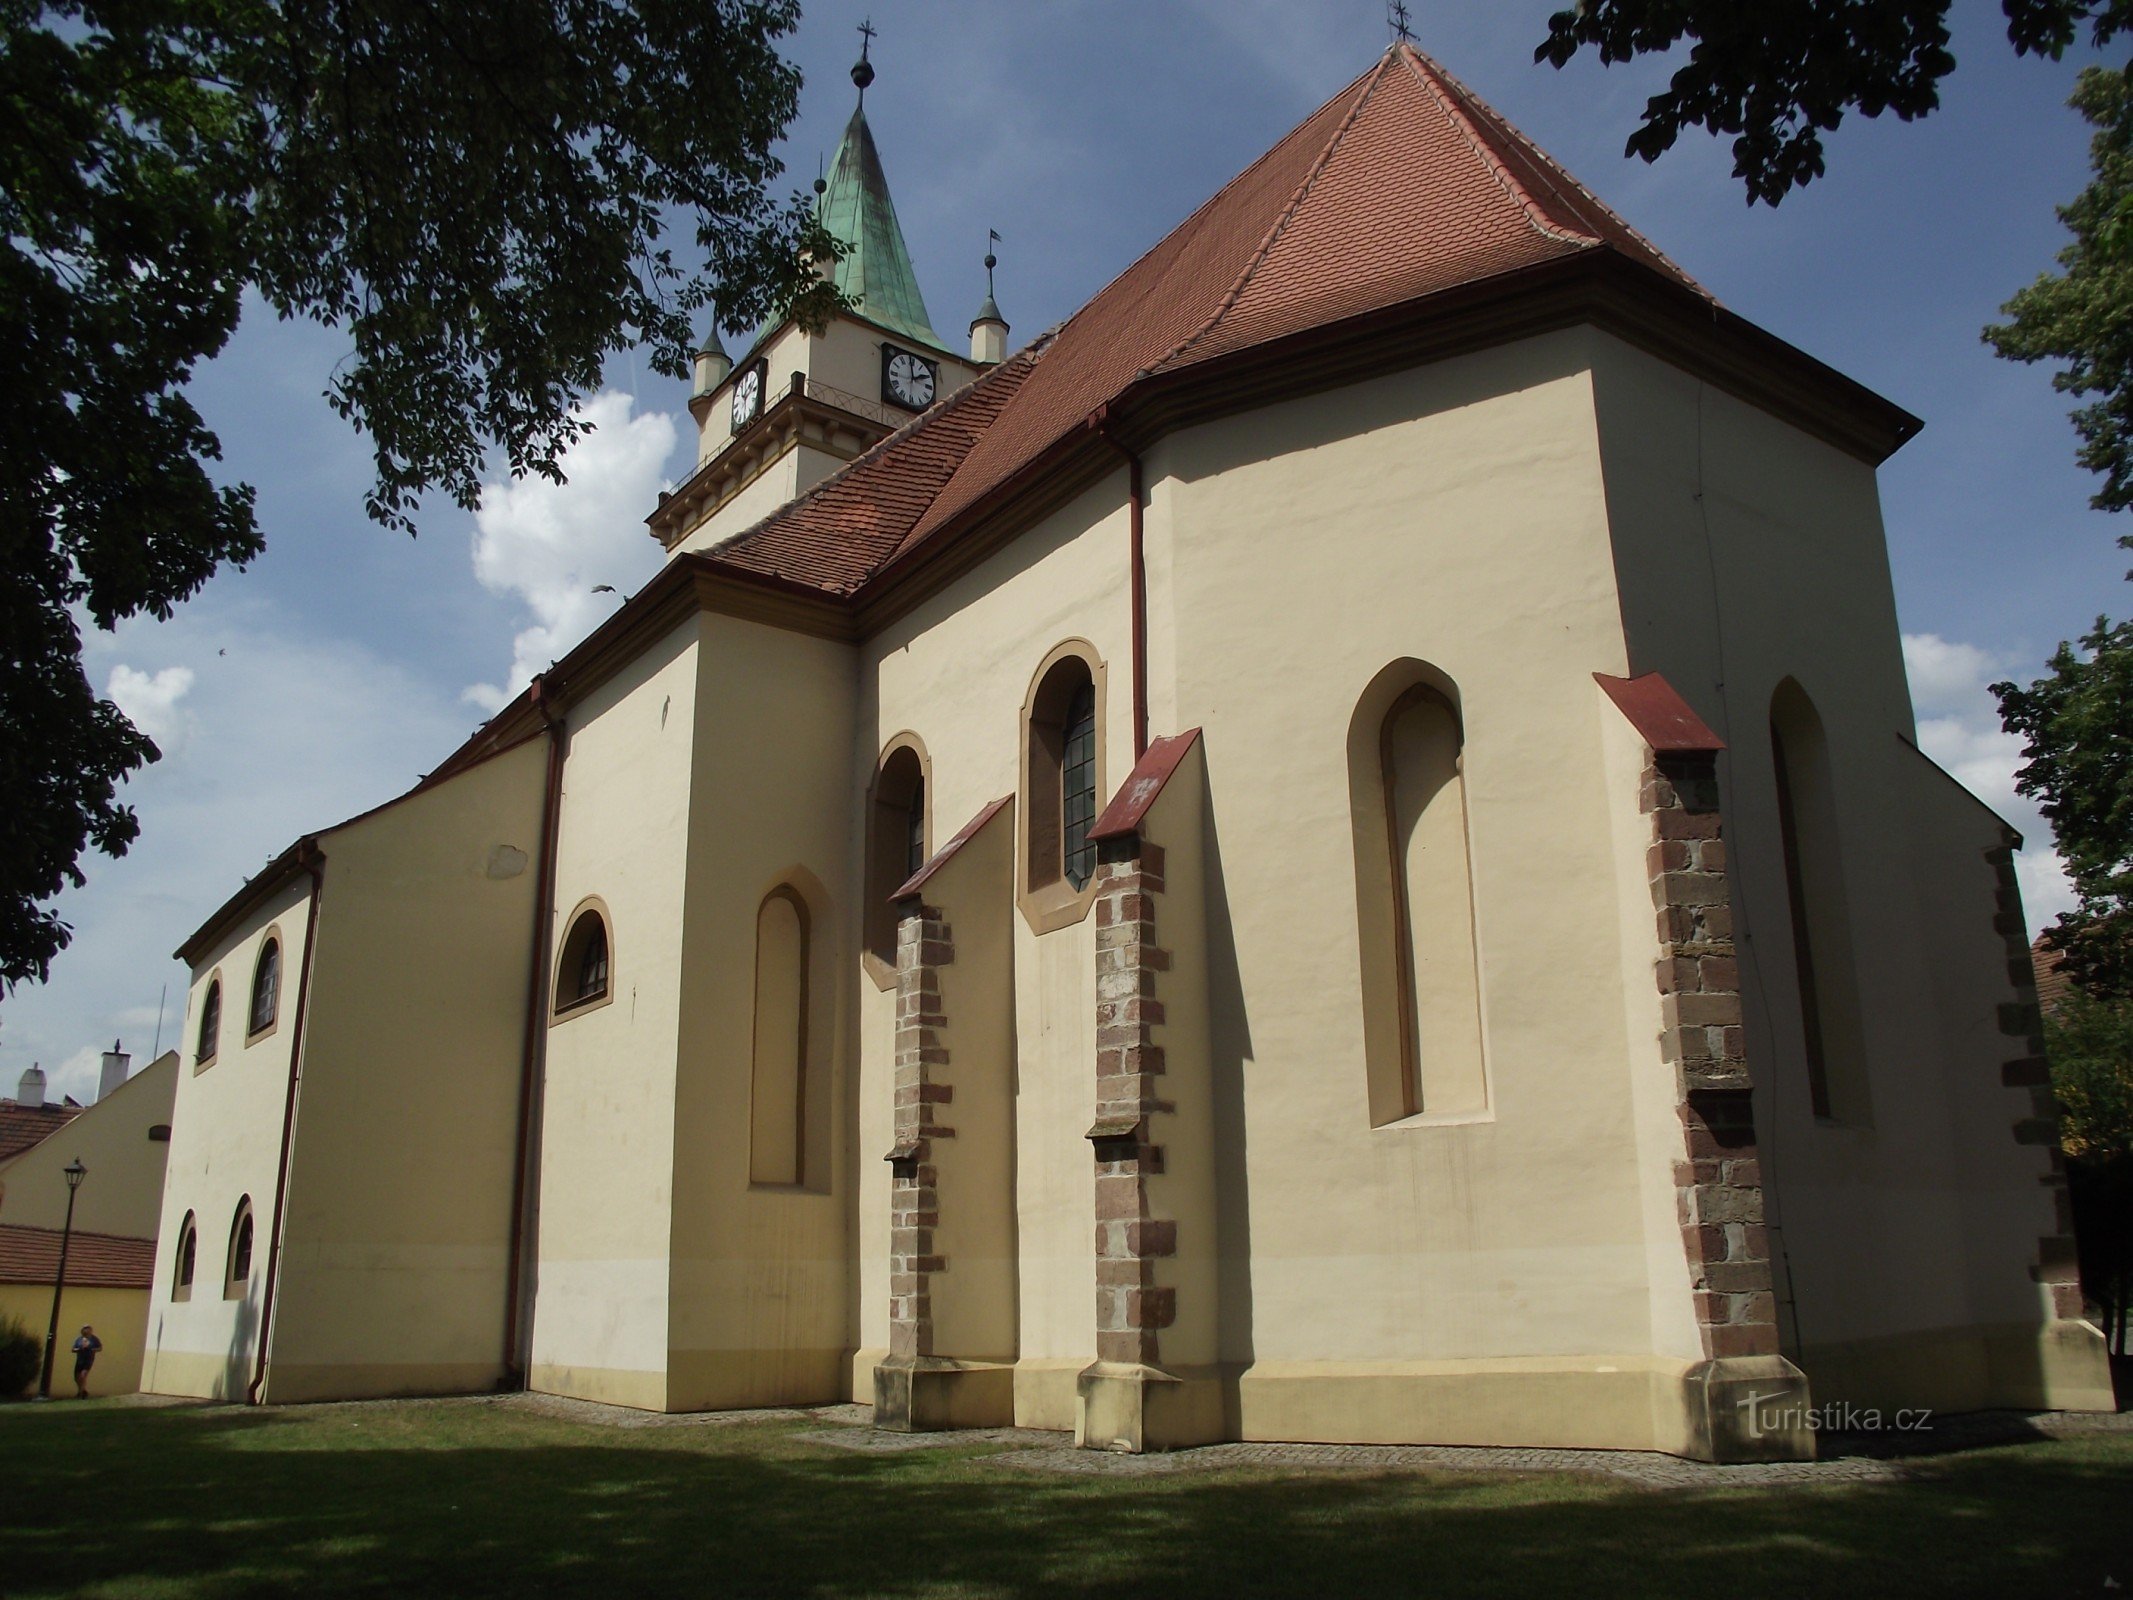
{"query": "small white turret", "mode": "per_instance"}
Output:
(31, 1095)
(711, 362)
(988, 329)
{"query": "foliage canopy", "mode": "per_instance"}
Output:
(477, 195)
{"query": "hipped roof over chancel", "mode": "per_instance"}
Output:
(1402, 188)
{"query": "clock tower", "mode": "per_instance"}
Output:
(795, 406)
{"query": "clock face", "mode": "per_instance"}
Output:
(906, 380)
(747, 397)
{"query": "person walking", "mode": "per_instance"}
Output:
(85, 1349)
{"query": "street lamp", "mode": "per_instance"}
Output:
(75, 1172)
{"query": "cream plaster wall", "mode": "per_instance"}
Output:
(1749, 552)
(758, 1310)
(957, 671)
(396, 1246)
(1451, 514)
(123, 1192)
(607, 1120)
(225, 1144)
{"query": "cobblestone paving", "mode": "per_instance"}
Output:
(555, 1405)
(861, 1435)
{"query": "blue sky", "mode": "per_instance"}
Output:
(347, 660)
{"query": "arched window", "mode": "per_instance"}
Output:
(1415, 899)
(210, 1024)
(266, 989)
(1832, 1027)
(897, 845)
(1062, 784)
(582, 978)
(777, 1110)
(239, 1272)
(188, 1253)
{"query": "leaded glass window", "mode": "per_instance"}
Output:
(266, 988)
(592, 962)
(1077, 787)
(915, 830)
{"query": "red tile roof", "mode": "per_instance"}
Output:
(22, 1126)
(1401, 186)
(94, 1260)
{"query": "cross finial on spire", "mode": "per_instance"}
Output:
(1397, 19)
(863, 69)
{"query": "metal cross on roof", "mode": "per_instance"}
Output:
(1397, 19)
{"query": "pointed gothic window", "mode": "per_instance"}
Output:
(778, 1078)
(239, 1272)
(896, 846)
(1062, 780)
(188, 1253)
(266, 989)
(1077, 787)
(1831, 1025)
(1424, 1051)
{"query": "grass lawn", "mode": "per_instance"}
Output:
(468, 1499)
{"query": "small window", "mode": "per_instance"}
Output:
(266, 989)
(240, 1265)
(210, 1024)
(188, 1254)
(896, 846)
(582, 972)
(1062, 780)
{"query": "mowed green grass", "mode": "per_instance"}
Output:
(476, 1500)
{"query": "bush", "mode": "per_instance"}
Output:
(21, 1355)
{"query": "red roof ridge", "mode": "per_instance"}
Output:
(1367, 84)
(1466, 107)
(1450, 95)
(1016, 366)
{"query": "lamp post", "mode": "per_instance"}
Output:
(75, 1172)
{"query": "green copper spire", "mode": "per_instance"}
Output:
(875, 270)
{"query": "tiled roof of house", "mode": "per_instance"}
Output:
(22, 1126)
(1401, 186)
(94, 1260)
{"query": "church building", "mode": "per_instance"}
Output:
(1332, 849)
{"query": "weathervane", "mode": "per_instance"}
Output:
(1396, 18)
(862, 69)
(991, 238)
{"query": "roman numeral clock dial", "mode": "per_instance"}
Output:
(907, 380)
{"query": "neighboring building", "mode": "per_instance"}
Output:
(122, 1140)
(108, 1280)
(30, 1117)
(1331, 850)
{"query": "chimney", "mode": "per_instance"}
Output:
(31, 1095)
(116, 1062)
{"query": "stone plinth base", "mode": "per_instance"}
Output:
(1747, 1408)
(1135, 1409)
(924, 1394)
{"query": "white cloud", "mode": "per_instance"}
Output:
(1959, 727)
(552, 545)
(151, 703)
(285, 730)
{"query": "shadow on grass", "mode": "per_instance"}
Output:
(482, 1501)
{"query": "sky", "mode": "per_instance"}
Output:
(347, 661)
